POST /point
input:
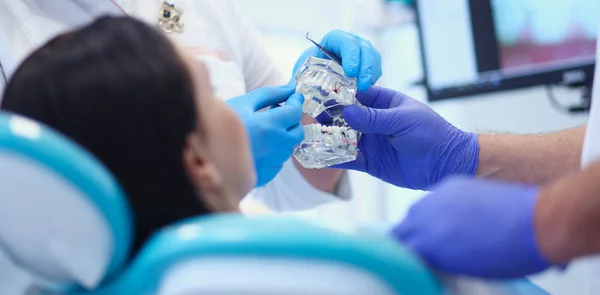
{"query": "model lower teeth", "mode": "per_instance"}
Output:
(330, 134)
(326, 89)
(324, 146)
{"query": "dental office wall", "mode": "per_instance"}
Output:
(392, 30)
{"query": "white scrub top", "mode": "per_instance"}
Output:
(215, 32)
(582, 277)
(590, 155)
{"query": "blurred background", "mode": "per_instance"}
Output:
(490, 66)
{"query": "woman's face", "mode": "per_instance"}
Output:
(218, 154)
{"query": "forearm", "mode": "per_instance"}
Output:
(567, 216)
(534, 159)
(325, 180)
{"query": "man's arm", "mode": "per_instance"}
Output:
(533, 159)
(567, 217)
(501, 230)
(324, 179)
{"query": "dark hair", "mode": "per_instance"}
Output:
(118, 88)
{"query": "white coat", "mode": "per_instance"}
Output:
(589, 268)
(216, 33)
(582, 276)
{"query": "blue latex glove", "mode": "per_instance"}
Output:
(477, 228)
(360, 59)
(273, 132)
(406, 143)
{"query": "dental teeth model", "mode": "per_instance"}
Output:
(326, 145)
(326, 89)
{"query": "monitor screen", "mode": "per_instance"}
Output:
(477, 46)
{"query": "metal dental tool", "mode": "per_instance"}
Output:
(328, 53)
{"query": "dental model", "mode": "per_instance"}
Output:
(326, 89)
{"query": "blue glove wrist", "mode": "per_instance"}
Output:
(477, 228)
(406, 143)
(460, 158)
(537, 261)
(273, 132)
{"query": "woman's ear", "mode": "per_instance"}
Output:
(201, 171)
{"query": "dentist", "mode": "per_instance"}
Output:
(216, 33)
(501, 205)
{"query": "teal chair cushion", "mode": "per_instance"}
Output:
(235, 235)
(54, 151)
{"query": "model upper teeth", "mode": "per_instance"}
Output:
(330, 129)
(317, 129)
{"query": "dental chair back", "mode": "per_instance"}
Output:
(63, 218)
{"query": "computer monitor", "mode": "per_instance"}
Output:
(477, 46)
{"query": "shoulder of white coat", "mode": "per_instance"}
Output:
(226, 19)
(223, 8)
(230, 13)
(234, 26)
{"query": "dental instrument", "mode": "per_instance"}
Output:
(324, 50)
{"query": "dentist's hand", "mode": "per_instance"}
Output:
(475, 227)
(406, 143)
(273, 132)
(360, 59)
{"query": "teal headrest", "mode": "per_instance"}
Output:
(235, 235)
(71, 163)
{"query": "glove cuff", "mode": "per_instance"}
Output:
(472, 154)
(537, 260)
(460, 158)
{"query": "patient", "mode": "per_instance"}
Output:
(145, 109)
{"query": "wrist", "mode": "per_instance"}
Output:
(551, 230)
(564, 221)
(471, 154)
(325, 180)
(462, 156)
(535, 236)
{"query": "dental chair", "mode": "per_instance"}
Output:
(65, 228)
(64, 220)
